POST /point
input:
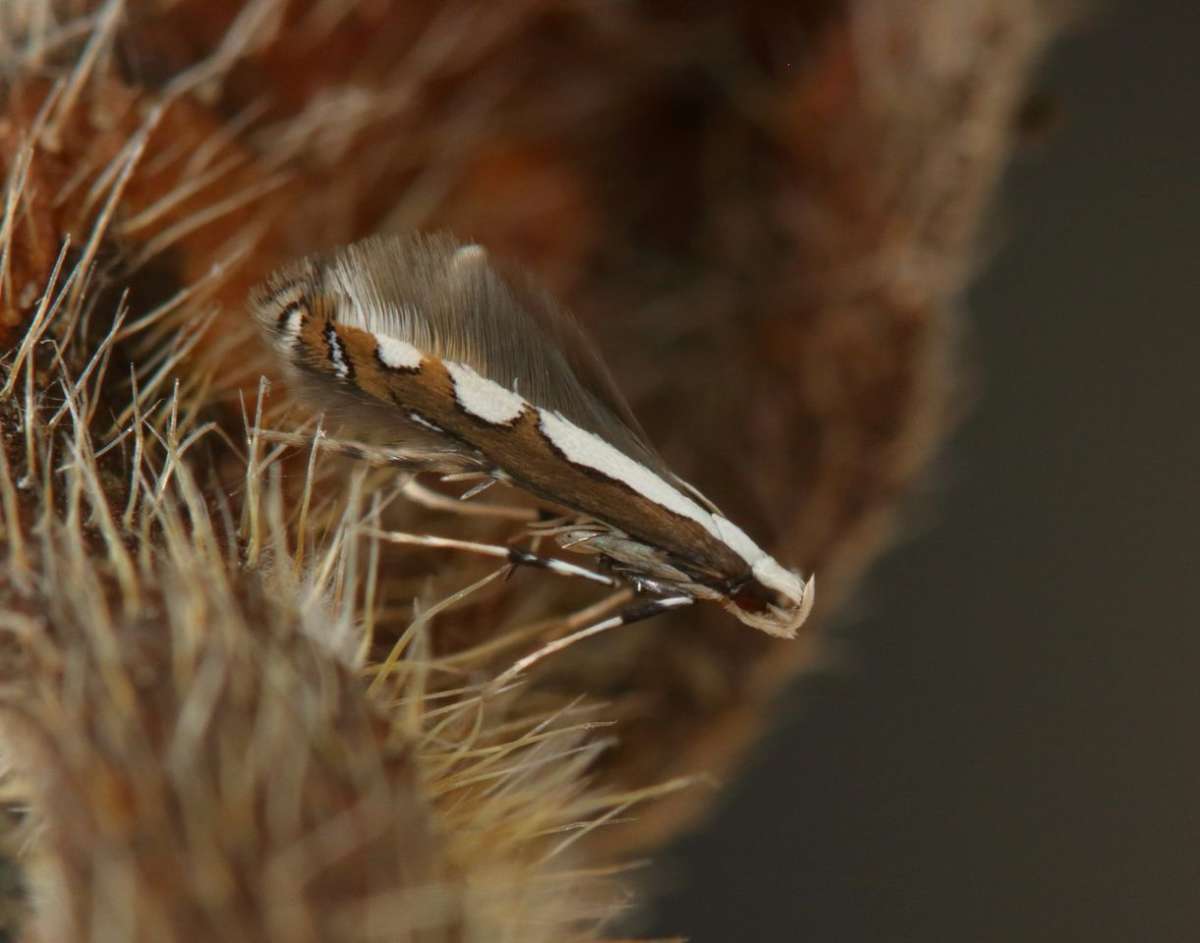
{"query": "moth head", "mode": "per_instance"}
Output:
(775, 600)
(771, 598)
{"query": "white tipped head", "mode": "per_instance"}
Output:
(782, 598)
(789, 600)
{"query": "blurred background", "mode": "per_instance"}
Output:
(1004, 747)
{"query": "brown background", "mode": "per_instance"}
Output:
(1007, 747)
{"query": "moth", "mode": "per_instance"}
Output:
(459, 365)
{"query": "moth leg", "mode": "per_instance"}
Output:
(435, 501)
(404, 457)
(513, 555)
(627, 616)
(478, 488)
(482, 481)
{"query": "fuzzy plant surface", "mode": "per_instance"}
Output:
(227, 713)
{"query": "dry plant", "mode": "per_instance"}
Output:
(227, 711)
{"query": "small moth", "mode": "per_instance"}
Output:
(460, 366)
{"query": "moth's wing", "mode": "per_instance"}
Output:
(580, 354)
(451, 300)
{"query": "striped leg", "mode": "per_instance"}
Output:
(513, 555)
(414, 460)
(407, 458)
(634, 613)
(418, 494)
